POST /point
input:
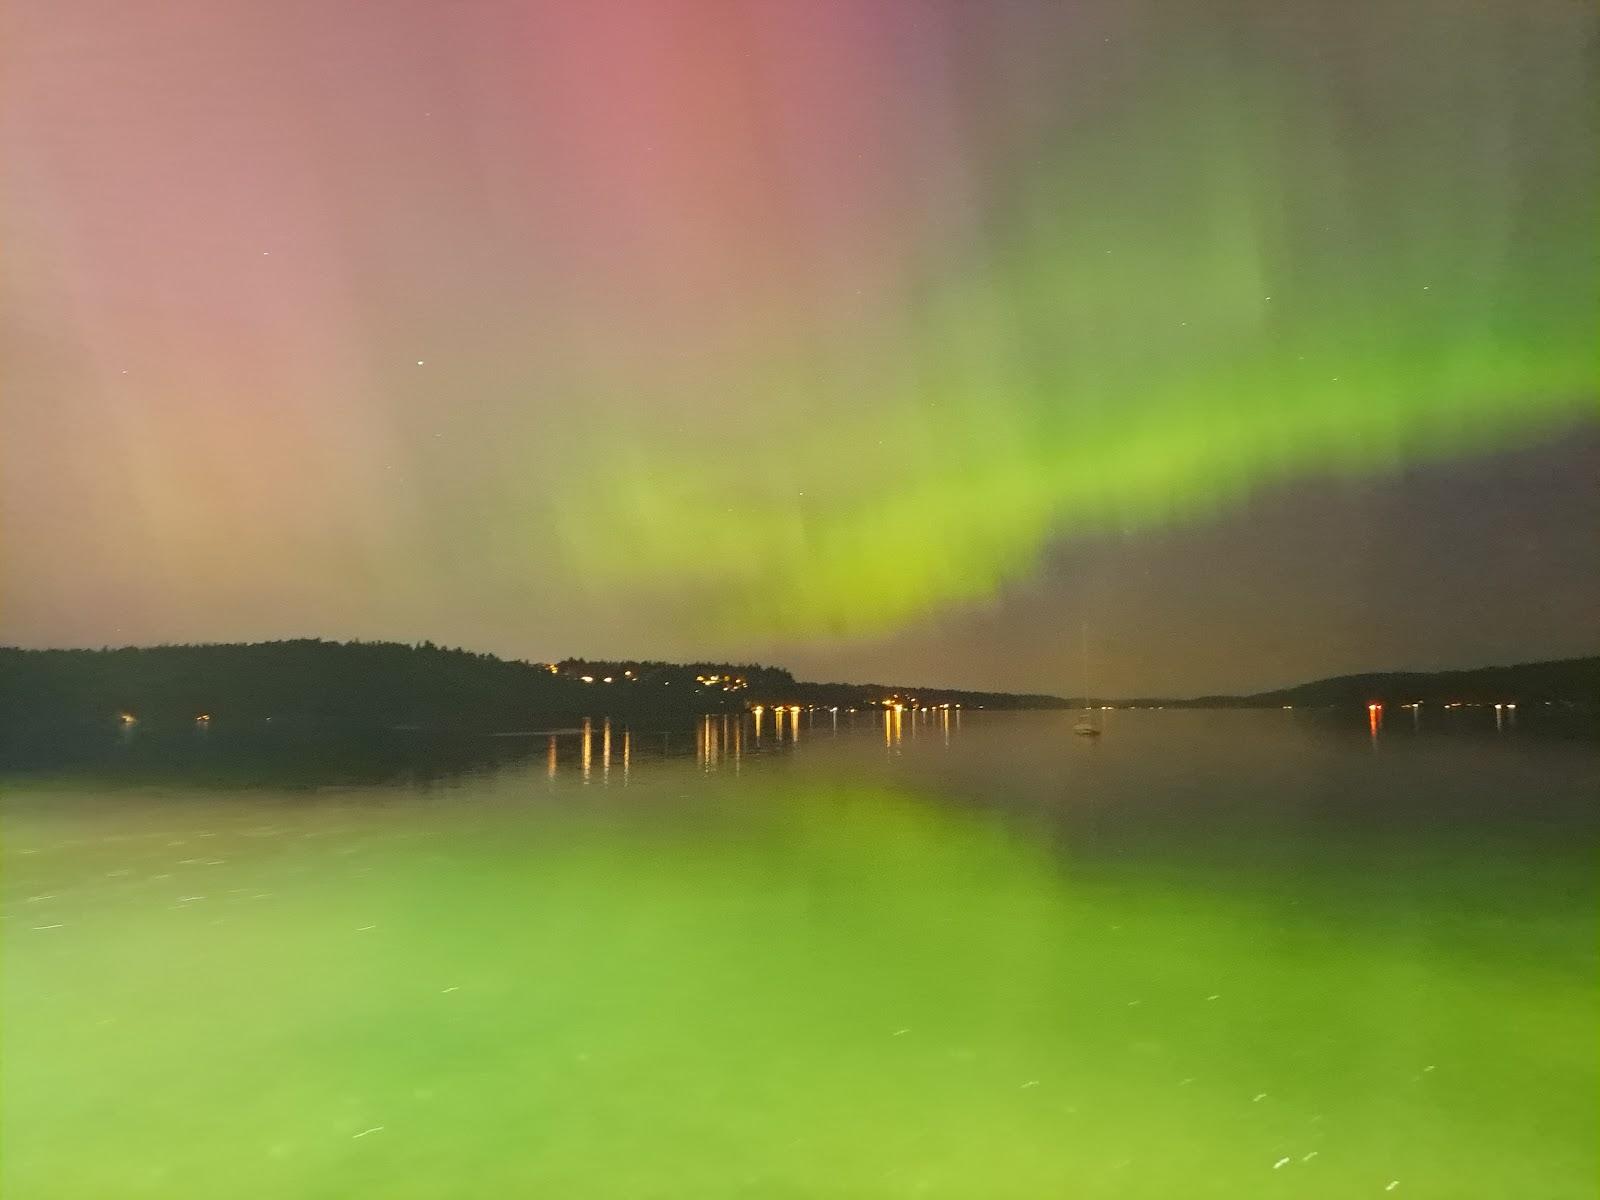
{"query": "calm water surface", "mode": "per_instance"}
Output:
(1209, 954)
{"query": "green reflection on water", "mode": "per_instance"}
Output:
(809, 979)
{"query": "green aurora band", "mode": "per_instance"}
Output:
(1186, 303)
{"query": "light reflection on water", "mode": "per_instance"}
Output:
(874, 954)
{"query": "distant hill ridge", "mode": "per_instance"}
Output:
(1559, 679)
(387, 684)
(1568, 680)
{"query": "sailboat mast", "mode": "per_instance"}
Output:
(1086, 726)
(1085, 638)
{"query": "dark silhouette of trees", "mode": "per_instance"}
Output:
(308, 684)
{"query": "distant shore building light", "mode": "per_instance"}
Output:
(587, 678)
(127, 718)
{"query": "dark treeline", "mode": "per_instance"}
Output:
(312, 684)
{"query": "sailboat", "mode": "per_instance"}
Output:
(1086, 726)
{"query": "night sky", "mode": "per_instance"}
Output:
(881, 340)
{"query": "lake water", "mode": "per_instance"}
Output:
(959, 955)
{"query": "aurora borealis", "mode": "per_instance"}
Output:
(797, 329)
